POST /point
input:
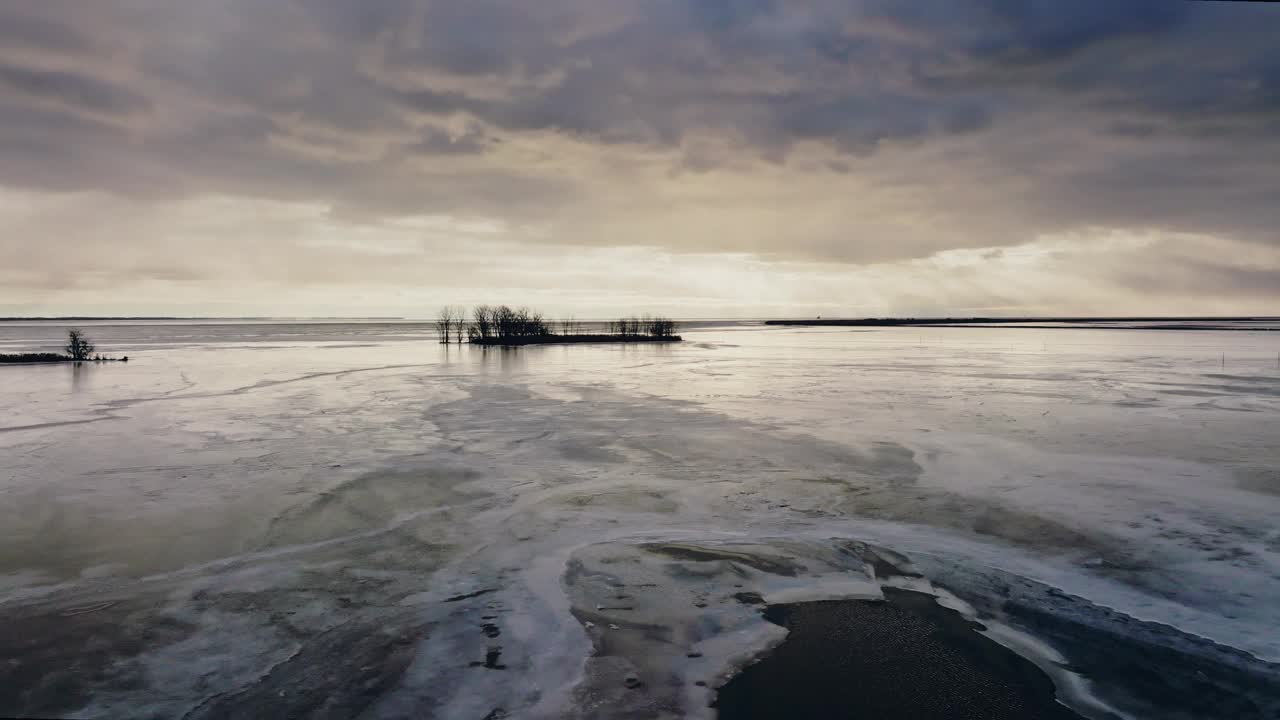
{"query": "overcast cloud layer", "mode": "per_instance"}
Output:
(705, 158)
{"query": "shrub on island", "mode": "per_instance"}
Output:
(505, 325)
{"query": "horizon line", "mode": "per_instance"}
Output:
(929, 318)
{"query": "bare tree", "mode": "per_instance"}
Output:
(503, 321)
(500, 323)
(451, 323)
(444, 323)
(459, 323)
(570, 326)
(484, 325)
(660, 327)
(79, 347)
(629, 326)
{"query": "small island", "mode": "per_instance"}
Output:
(79, 349)
(505, 325)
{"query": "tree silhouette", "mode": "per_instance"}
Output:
(459, 323)
(79, 347)
(444, 323)
(504, 324)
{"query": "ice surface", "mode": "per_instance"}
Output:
(329, 519)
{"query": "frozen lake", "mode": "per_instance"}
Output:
(328, 519)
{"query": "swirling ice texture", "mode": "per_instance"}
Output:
(241, 513)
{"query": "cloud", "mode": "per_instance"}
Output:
(853, 134)
(36, 34)
(74, 91)
(1028, 33)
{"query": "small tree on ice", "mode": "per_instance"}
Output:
(78, 347)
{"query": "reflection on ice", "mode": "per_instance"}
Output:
(332, 521)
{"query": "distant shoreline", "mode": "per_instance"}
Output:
(91, 318)
(873, 322)
(1041, 323)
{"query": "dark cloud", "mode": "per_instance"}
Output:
(42, 34)
(1175, 66)
(75, 90)
(989, 120)
(1036, 32)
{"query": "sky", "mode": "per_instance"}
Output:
(699, 158)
